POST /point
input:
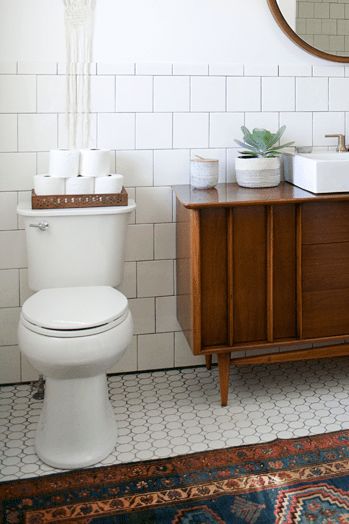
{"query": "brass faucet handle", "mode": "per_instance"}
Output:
(341, 147)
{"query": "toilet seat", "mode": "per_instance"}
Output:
(74, 311)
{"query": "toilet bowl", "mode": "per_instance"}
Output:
(72, 336)
(75, 326)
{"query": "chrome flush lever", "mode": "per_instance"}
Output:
(41, 225)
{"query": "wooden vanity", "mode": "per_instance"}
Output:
(262, 268)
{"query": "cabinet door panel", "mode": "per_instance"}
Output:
(325, 222)
(284, 272)
(325, 313)
(214, 276)
(249, 274)
(326, 267)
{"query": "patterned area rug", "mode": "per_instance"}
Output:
(303, 481)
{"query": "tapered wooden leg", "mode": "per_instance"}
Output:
(208, 359)
(224, 369)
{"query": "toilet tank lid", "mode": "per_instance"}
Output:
(25, 209)
(74, 308)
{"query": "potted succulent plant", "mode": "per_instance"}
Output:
(259, 163)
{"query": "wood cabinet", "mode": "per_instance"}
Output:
(262, 269)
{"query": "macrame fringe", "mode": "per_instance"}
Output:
(79, 17)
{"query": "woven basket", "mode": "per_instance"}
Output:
(65, 201)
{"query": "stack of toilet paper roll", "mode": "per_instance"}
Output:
(78, 172)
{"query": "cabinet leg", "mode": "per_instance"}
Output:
(224, 369)
(208, 359)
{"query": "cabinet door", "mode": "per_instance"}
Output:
(325, 269)
(247, 275)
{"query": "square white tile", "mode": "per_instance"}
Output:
(37, 132)
(207, 93)
(140, 242)
(324, 123)
(13, 250)
(8, 133)
(171, 166)
(244, 94)
(9, 288)
(153, 130)
(63, 138)
(136, 166)
(9, 318)
(17, 94)
(116, 131)
(51, 94)
(8, 214)
(165, 241)
(190, 130)
(311, 94)
(278, 94)
(171, 93)
(166, 316)
(10, 370)
(262, 120)
(299, 128)
(155, 351)
(134, 93)
(154, 205)
(143, 314)
(155, 278)
(102, 94)
(339, 94)
(225, 128)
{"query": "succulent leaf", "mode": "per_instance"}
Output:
(262, 142)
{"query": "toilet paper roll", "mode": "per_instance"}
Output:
(109, 184)
(80, 185)
(64, 163)
(48, 185)
(94, 162)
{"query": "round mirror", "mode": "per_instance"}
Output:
(321, 28)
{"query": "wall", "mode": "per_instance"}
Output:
(324, 25)
(153, 115)
(154, 119)
(151, 31)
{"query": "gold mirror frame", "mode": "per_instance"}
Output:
(282, 23)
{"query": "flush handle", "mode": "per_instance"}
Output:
(41, 225)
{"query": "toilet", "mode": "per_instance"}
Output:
(75, 326)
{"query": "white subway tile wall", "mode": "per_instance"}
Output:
(154, 118)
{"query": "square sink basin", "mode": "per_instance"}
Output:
(326, 172)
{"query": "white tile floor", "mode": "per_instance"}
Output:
(167, 413)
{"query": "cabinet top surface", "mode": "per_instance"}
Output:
(234, 195)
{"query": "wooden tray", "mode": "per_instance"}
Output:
(64, 201)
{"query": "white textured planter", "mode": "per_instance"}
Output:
(257, 172)
(204, 173)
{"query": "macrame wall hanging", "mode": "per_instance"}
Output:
(79, 19)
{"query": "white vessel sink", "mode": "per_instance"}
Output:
(326, 172)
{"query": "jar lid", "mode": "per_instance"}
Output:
(202, 159)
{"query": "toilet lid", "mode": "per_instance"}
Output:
(74, 308)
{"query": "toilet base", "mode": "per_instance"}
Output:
(77, 426)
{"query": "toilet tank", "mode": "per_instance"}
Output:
(75, 247)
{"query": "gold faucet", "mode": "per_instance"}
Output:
(341, 147)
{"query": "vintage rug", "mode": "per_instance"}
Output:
(304, 480)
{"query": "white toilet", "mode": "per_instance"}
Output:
(76, 326)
